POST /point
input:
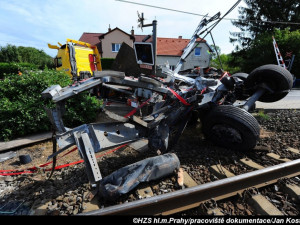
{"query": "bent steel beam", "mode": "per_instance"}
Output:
(93, 138)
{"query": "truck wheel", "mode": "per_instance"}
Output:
(242, 76)
(231, 127)
(278, 79)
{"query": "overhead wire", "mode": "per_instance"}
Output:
(214, 25)
(197, 14)
(210, 28)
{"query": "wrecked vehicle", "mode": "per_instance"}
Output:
(79, 61)
(159, 107)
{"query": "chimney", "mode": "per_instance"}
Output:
(180, 37)
(132, 31)
(109, 29)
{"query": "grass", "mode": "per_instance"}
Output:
(261, 114)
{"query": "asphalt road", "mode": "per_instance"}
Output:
(291, 101)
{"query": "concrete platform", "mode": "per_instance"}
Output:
(27, 140)
(291, 101)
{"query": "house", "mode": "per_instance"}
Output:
(168, 51)
(108, 43)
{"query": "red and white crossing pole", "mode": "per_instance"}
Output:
(279, 58)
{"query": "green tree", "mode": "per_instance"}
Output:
(258, 22)
(35, 56)
(216, 51)
(11, 53)
(225, 60)
(222, 62)
(261, 51)
(262, 16)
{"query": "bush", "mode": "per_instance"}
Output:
(20, 54)
(225, 59)
(22, 107)
(106, 63)
(82, 108)
(13, 68)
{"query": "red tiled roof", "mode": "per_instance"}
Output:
(165, 46)
(91, 38)
(172, 46)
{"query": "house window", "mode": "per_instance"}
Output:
(115, 47)
(197, 51)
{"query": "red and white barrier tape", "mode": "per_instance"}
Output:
(35, 169)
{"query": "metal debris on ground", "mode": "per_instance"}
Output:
(127, 178)
(158, 104)
(10, 208)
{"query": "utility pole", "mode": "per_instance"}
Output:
(154, 37)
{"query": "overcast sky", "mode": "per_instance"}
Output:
(35, 23)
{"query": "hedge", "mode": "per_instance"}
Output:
(106, 63)
(22, 107)
(13, 68)
(21, 54)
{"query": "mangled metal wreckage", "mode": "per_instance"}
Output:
(159, 107)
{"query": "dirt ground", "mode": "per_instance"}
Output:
(39, 154)
(280, 129)
(41, 151)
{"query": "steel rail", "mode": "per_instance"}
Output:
(188, 198)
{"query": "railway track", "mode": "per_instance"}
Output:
(228, 185)
(265, 181)
(217, 181)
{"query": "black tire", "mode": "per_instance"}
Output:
(242, 76)
(231, 127)
(278, 79)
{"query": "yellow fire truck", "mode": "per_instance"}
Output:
(78, 59)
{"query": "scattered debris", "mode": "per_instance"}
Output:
(127, 178)
(161, 113)
(180, 178)
(24, 159)
(10, 208)
(158, 104)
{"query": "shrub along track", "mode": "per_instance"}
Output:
(206, 169)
